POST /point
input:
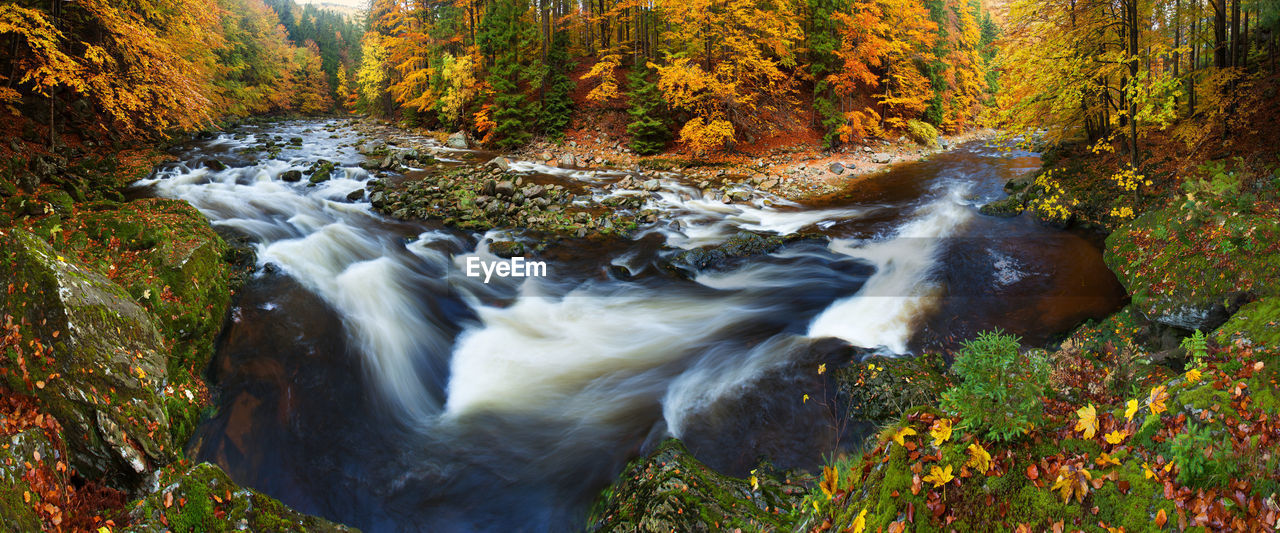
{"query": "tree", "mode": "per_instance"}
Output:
(507, 38)
(648, 128)
(556, 102)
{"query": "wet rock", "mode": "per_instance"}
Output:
(215, 165)
(105, 344)
(459, 140)
(670, 490)
(568, 160)
(1004, 208)
(545, 156)
(188, 504)
(726, 254)
(651, 185)
(356, 195)
(836, 168)
(378, 199)
(506, 249)
(504, 188)
(291, 176)
(740, 196)
(500, 162)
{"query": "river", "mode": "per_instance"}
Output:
(363, 378)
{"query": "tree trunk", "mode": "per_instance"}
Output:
(1220, 34)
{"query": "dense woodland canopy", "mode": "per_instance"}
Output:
(152, 66)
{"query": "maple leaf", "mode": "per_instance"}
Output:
(859, 523)
(1088, 423)
(830, 480)
(1074, 484)
(1131, 409)
(939, 476)
(1116, 437)
(901, 435)
(1155, 401)
(940, 431)
(1193, 375)
(979, 459)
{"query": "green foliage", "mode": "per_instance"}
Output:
(1219, 181)
(648, 128)
(999, 395)
(1192, 452)
(507, 38)
(1196, 347)
(922, 133)
(823, 38)
(556, 102)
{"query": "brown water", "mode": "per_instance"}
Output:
(363, 378)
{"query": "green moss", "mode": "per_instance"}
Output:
(1256, 323)
(882, 389)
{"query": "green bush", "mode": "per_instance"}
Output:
(999, 392)
(648, 127)
(922, 133)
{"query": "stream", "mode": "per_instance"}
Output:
(364, 378)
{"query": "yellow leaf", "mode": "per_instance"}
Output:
(1156, 399)
(1106, 459)
(755, 483)
(940, 431)
(830, 481)
(979, 459)
(1116, 437)
(805, 399)
(902, 434)
(1147, 473)
(1131, 410)
(939, 476)
(822, 368)
(1088, 423)
(1193, 375)
(860, 523)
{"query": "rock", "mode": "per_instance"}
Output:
(320, 176)
(500, 162)
(740, 196)
(898, 383)
(651, 185)
(836, 168)
(881, 158)
(215, 165)
(504, 188)
(670, 490)
(506, 249)
(459, 140)
(106, 344)
(188, 504)
(356, 195)
(291, 176)
(533, 191)
(545, 156)
(1004, 208)
(728, 253)
(867, 149)
(378, 199)
(769, 184)
(16, 451)
(568, 160)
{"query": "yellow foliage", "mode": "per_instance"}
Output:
(901, 435)
(604, 72)
(940, 431)
(1088, 422)
(1155, 400)
(939, 476)
(979, 459)
(701, 135)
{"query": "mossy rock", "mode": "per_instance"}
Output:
(880, 389)
(105, 365)
(204, 499)
(1257, 323)
(16, 450)
(506, 249)
(1192, 267)
(669, 490)
(728, 253)
(1011, 206)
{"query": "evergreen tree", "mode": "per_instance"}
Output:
(648, 129)
(506, 38)
(823, 39)
(557, 105)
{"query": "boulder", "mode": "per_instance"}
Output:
(205, 499)
(104, 366)
(291, 176)
(16, 452)
(568, 161)
(506, 249)
(356, 195)
(504, 188)
(836, 168)
(500, 162)
(881, 158)
(651, 185)
(1007, 207)
(730, 252)
(459, 140)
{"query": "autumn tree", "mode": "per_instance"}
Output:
(507, 38)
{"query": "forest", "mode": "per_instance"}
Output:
(804, 265)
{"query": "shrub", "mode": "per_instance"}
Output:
(922, 133)
(999, 392)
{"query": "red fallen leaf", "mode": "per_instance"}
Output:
(1161, 518)
(1033, 473)
(1124, 486)
(916, 484)
(911, 512)
(1058, 526)
(916, 468)
(168, 500)
(894, 493)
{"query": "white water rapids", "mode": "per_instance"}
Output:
(578, 352)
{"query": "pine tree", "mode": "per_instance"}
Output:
(823, 39)
(556, 103)
(505, 38)
(648, 129)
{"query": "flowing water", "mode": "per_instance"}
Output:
(364, 379)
